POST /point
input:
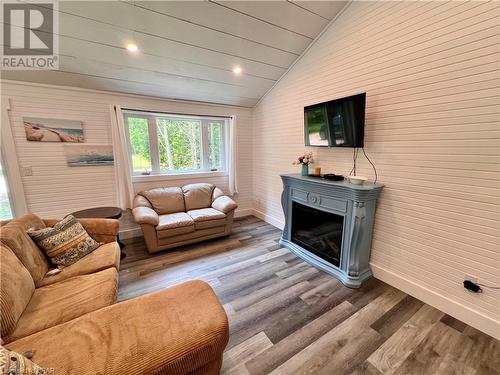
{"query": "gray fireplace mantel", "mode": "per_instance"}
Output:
(356, 203)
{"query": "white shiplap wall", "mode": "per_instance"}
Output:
(432, 78)
(55, 189)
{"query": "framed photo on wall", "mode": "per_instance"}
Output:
(88, 154)
(53, 130)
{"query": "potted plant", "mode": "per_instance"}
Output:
(305, 159)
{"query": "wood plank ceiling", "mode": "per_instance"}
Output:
(187, 49)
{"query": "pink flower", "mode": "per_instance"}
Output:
(305, 159)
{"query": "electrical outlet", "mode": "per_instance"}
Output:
(471, 278)
(27, 171)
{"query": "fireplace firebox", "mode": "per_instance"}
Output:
(329, 224)
(319, 232)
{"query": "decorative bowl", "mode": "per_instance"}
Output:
(357, 180)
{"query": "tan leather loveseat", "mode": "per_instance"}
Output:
(175, 216)
(72, 325)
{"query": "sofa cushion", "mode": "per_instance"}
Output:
(105, 256)
(16, 289)
(66, 242)
(205, 214)
(15, 237)
(13, 363)
(165, 200)
(174, 331)
(177, 220)
(66, 300)
(198, 195)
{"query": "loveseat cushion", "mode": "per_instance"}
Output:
(172, 221)
(16, 289)
(15, 237)
(105, 256)
(206, 214)
(171, 225)
(165, 200)
(174, 331)
(198, 195)
(58, 303)
(205, 218)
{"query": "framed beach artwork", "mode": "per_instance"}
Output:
(87, 154)
(53, 130)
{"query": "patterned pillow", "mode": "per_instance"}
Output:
(12, 363)
(66, 242)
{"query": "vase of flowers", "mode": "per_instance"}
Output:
(305, 159)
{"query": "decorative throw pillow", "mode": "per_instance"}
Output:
(12, 363)
(66, 242)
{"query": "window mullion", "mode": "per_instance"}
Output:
(153, 145)
(205, 165)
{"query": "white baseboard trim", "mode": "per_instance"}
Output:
(457, 310)
(269, 219)
(243, 212)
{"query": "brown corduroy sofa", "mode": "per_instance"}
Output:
(71, 323)
(175, 216)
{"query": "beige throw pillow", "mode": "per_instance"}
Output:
(66, 242)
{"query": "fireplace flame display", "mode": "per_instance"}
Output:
(318, 231)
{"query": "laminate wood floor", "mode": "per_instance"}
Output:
(287, 317)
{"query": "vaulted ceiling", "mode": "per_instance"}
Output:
(187, 49)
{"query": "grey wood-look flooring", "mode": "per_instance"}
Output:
(287, 317)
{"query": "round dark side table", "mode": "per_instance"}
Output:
(102, 213)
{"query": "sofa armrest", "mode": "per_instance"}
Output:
(102, 230)
(145, 215)
(175, 331)
(224, 204)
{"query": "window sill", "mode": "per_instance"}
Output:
(178, 176)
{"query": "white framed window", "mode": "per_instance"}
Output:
(163, 144)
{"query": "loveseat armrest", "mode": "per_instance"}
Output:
(102, 230)
(224, 204)
(175, 331)
(145, 215)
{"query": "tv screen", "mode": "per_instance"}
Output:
(337, 123)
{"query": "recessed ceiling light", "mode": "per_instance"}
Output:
(237, 70)
(132, 47)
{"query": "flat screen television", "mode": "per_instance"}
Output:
(337, 123)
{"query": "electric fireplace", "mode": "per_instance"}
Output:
(329, 224)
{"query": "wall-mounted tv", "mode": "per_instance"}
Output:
(337, 123)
